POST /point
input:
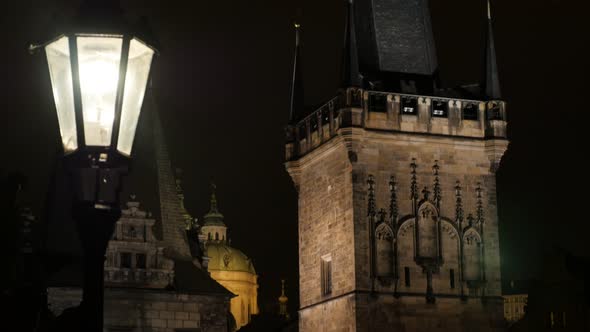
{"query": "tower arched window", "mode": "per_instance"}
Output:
(427, 231)
(472, 256)
(384, 250)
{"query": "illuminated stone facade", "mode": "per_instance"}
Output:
(398, 225)
(405, 205)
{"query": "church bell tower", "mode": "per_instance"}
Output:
(398, 224)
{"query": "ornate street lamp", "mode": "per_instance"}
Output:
(99, 68)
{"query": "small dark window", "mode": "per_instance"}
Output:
(302, 132)
(378, 103)
(494, 111)
(126, 260)
(140, 261)
(452, 278)
(407, 276)
(325, 116)
(313, 123)
(326, 271)
(216, 236)
(439, 109)
(470, 111)
(409, 106)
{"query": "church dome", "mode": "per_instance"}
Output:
(222, 257)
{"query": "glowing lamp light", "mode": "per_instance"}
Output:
(98, 83)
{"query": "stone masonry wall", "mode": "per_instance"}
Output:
(326, 226)
(385, 313)
(332, 316)
(151, 311)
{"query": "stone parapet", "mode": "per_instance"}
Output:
(396, 112)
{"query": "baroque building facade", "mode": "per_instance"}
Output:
(398, 226)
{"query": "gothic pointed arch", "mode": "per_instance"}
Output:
(384, 250)
(427, 237)
(408, 270)
(447, 280)
(472, 255)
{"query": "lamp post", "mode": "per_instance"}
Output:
(99, 68)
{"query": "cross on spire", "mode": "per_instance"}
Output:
(213, 206)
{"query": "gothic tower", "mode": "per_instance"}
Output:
(398, 226)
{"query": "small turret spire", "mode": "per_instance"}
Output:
(297, 101)
(350, 65)
(492, 79)
(213, 226)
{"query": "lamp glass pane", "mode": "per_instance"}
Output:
(138, 69)
(60, 70)
(98, 61)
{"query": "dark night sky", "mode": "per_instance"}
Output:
(222, 84)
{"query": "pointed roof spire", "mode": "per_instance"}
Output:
(350, 64)
(492, 78)
(172, 222)
(213, 217)
(297, 102)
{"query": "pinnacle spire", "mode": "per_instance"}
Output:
(214, 217)
(297, 102)
(350, 65)
(283, 288)
(492, 79)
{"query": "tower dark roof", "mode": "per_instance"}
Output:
(395, 36)
(492, 78)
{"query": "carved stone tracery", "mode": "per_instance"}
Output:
(428, 230)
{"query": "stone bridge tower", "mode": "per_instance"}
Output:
(398, 226)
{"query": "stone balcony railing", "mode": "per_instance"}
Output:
(142, 278)
(396, 112)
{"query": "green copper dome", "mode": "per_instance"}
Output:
(222, 257)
